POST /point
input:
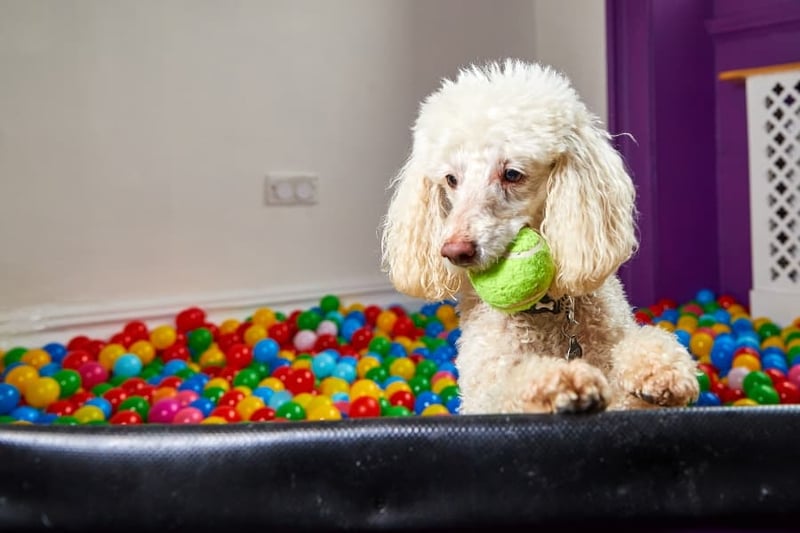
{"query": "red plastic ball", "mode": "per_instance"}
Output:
(788, 392)
(212, 328)
(726, 300)
(371, 313)
(176, 351)
(231, 398)
(731, 395)
(265, 414)
(121, 338)
(226, 340)
(347, 351)
(137, 330)
(398, 310)
(115, 397)
(775, 375)
(325, 342)
(300, 380)
(94, 347)
(147, 393)
(170, 381)
(657, 309)
(280, 332)
(78, 343)
(643, 317)
(239, 356)
(416, 358)
(126, 418)
(76, 359)
(365, 407)
(282, 373)
(61, 408)
(133, 386)
(226, 412)
(361, 338)
(403, 327)
(189, 319)
(227, 373)
(668, 303)
(404, 398)
(80, 397)
(710, 370)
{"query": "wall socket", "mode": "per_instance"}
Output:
(290, 189)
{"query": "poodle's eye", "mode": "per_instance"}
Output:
(512, 176)
(452, 181)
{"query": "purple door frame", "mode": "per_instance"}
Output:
(689, 161)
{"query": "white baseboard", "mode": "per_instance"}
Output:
(782, 307)
(34, 327)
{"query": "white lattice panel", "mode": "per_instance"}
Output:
(773, 123)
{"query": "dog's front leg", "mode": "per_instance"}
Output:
(555, 385)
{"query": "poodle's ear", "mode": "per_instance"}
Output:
(589, 213)
(411, 239)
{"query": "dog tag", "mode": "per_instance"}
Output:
(574, 351)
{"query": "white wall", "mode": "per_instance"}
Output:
(135, 135)
(571, 34)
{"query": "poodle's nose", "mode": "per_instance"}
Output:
(461, 253)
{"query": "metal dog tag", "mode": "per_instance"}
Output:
(574, 351)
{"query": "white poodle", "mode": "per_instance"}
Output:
(505, 146)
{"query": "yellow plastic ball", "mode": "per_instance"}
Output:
(254, 333)
(249, 405)
(737, 309)
(220, 383)
(446, 312)
(435, 410)
(793, 343)
(214, 420)
(301, 363)
(323, 412)
(212, 357)
(403, 367)
(701, 343)
(396, 387)
(355, 306)
(264, 317)
(303, 399)
(687, 322)
(162, 393)
(386, 320)
(365, 365)
(245, 389)
(747, 360)
(286, 354)
(318, 401)
(194, 367)
(772, 342)
(21, 376)
(666, 325)
(272, 383)
(36, 357)
(442, 384)
(109, 355)
(88, 413)
(144, 350)
(41, 392)
(364, 387)
(331, 385)
(720, 328)
(162, 337)
(745, 402)
(229, 326)
(760, 321)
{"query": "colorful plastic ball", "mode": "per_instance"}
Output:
(398, 411)
(20, 376)
(708, 399)
(323, 412)
(9, 398)
(789, 392)
(36, 357)
(454, 405)
(199, 340)
(88, 413)
(404, 398)
(56, 350)
(186, 397)
(424, 399)
(49, 370)
(435, 410)
(265, 414)
(279, 398)
(304, 340)
(92, 373)
(102, 404)
(794, 374)
(125, 418)
(204, 405)
(188, 415)
(26, 413)
(127, 365)
(41, 392)
(163, 411)
(764, 394)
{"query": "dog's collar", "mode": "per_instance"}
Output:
(548, 305)
(570, 327)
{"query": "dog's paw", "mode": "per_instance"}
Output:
(574, 387)
(667, 386)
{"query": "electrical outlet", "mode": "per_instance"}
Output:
(290, 189)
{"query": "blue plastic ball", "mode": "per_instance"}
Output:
(56, 350)
(705, 296)
(708, 399)
(155, 380)
(46, 419)
(323, 364)
(424, 399)
(740, 325)
(265, 393)
(453, 336)
(454, 405)
(722, 316)
(358, 316)
(443, 354)
(26, 412)
(279, 398)
(9, 398)
(397, 350)
(434, 329)
(192, 384)
(345, 371)
(49, 369)
(204, 404)
(722, 357)
(335, 317)
(340, 397)
(349, 327)
(174, 366)
(670, 315)
(391, 379)
(449, 366)
(101, 403)
(423, 352)
(266, 350)
(279, 362)
(127, 365)
(683, 337)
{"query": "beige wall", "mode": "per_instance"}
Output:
(135, 135)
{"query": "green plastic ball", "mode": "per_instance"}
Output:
(426, 369)
(14, 355)
(308, 320)
(520, 278)
(137, 404)
(247, 377)
(66, 421)
(329, 303)
(291, 411)
(398, 410)
(69, 380)
(380, 345)
(199, 340)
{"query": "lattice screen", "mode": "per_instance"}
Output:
(773, 112)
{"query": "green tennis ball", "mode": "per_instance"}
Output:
(520, 278)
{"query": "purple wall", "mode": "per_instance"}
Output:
(661, 91)
(689, 160)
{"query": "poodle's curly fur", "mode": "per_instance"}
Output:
(503, 146)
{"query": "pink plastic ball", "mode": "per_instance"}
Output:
(794, 375)
(736, 377)
(343, 407)
(92, 373)
(305, 340)
(188, 415)
(164, 411)
(327, 327)
(185, 397)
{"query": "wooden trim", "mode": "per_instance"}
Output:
(739, 75)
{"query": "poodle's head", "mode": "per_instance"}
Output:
(501, 147)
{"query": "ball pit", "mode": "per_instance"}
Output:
(329, 362)
(333, 362)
